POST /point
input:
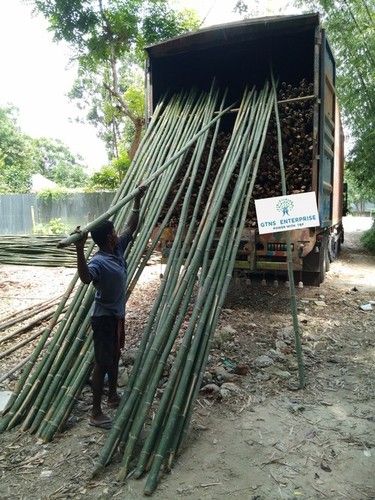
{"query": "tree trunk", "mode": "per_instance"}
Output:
(138, 129)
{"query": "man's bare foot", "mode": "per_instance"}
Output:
(101, 420)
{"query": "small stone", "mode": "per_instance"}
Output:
(320, 303)
(291, 362)
(263, 361)
(280, 345)
(45, 474)
(123, 378)
(229, 329)
(277, 372)
(285, 333)
(366, 307)
(230, 386)
(296, 408)
(229, 389)
(207, 378)
(210, 389)
(275, 355)
(222, 375)
(263, 376)
(129, 356)
(241, 369)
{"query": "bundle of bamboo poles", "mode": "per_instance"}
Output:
(50, 383)
(192, 293)
(182, 136)
(296, 119)
(47, 309)
(35, 251)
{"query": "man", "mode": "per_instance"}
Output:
(107, 270)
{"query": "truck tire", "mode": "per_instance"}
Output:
(315, 265)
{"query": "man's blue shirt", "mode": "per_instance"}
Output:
(109, 274)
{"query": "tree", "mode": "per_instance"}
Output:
(22, 156)
(106, 178)
(350, 26)
(103, 35)
(351, 29)
(56, 162)
(16, 165)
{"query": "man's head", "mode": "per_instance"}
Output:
(104, 235)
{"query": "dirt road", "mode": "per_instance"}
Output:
(261, 439)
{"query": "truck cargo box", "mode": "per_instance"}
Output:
(240, 54)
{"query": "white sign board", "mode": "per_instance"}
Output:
(285, 213)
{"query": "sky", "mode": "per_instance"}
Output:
(36, 73)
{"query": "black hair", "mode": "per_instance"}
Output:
(100, 233)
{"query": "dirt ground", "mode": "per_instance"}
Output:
(257, 437)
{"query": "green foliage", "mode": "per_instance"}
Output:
(52, 194)
(16, 165)
(361, 165)
(106, 178)
(135, 97)
(22, 156)
(107, 39)
(54, 226)
(56, 162)
(351, 30)
(368, 239)
(121, 164)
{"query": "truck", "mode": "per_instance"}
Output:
(241, 53)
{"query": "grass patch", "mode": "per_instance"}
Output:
(368, 239)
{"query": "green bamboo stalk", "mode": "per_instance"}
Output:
(57, 372)
(168, 432)
(150, 392)
(165, 399)
(148, 396)
(133, 397)
(17, 398)
(75, 237)
(66, 372)
(58, 411)
(155, 310)
(292, 288)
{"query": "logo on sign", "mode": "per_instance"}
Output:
(285, 213)
(284, 206)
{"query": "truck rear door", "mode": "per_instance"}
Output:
(327, 132)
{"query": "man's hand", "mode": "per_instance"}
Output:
(80, 244)
(142, 190)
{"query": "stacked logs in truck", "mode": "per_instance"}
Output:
(296, 118)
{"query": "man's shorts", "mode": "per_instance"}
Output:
(106, 339)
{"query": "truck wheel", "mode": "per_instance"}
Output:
(332, 248)
(316, 265)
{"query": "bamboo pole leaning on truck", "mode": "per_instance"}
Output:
(115, 208)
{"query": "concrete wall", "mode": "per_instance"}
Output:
(73, 209)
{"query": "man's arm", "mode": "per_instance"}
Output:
(82, 267)
(133, 221)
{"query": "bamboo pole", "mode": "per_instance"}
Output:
(29, 326)
(24, 314)
(292, 288)
(167, 435)
(75, 237)
(24, 342)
